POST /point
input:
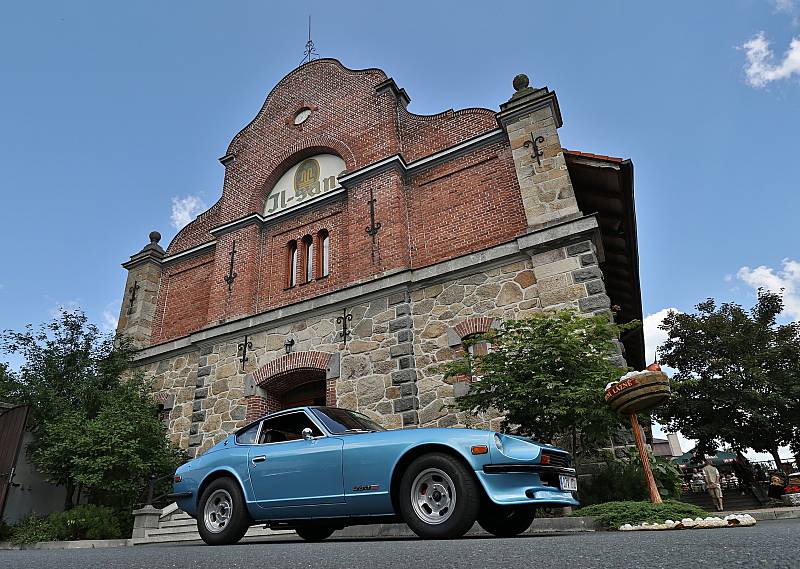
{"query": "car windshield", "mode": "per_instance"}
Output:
(341, 421)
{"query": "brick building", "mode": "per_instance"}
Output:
(356, 245)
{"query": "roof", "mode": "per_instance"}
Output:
(604, 186)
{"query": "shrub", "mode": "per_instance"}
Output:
(31, 529)
(611, 515)
(86, 521)
(623, 480)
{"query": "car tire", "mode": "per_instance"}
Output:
(222, 516)
(315, 533)
(506, 521)
(438, 497)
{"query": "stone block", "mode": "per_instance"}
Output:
(548, 257)
(461, 388)
(410, 418)
(563, 266)
(588, 260)
(405, 336)
(408, 389)
(402, 309)
(594, 302)
(400, 323)
(595, 287)
(525, 278)
(587, 274)
(406, 362)
(194, 428)
(206, 349)
(198, 416)
(197, 405)
(238, 413)
(578, 248)
(403, 376)
(204, 371)
(201, 393)
(401, 349)
(405, 404)
(397, 298)
(195, 440)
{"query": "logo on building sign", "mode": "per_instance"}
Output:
(305, 183)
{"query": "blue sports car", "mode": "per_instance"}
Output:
(319, 469)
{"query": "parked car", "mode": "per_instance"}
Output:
(320, 469)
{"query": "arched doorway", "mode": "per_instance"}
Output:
(293, 380)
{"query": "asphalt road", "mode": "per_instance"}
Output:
(773, 544)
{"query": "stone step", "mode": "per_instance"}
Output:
(171, 530)
(170, 538)
(177, 523)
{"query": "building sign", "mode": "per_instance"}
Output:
(305, 182)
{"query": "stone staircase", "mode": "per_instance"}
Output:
(174, 525)
(733, 500)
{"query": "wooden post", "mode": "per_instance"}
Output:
(655, 497)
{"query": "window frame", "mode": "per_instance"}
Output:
(291, 259)
(288, 414)
(323, 253)
(308, 252)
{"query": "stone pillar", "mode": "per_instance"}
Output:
(144, 519)
(531, 119)
(141, 291)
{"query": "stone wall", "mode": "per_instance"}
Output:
(389, 368)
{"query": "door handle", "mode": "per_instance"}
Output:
(260, 458)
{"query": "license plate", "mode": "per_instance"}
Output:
(568, 483)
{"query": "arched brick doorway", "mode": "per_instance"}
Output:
(296, 379)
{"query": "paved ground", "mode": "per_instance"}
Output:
(774, 544)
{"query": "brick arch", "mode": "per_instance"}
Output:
(479, 325)
(311, 146)
(285, 373)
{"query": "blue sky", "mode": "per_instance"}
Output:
(113, 115)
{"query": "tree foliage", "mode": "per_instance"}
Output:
(738, 375)
(547, 375)
(94, 430)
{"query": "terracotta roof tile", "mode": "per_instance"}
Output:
(590, 155)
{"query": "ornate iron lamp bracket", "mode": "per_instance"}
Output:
(133, 291)
(343, 320)
(536, 152)
(241, 350)
(231, 276)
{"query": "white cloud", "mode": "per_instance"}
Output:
(786, 280)
(653, 336)
(110, 316)
(785, 6)
(185, 209)
(760, 68)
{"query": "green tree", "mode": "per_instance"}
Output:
(547, 375)
(96, 431)
(738, 375)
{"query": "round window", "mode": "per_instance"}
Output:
(302, 115)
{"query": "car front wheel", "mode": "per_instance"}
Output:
(438, 497)
(222, 515)
(506, 521)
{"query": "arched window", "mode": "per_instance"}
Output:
(308, 251)
(324, 248)
(291, 264)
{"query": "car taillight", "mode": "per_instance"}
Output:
(178, 478)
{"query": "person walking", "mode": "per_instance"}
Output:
(712, 478)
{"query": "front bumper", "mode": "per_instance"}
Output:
(526, 484)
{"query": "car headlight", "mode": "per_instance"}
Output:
(498, 442)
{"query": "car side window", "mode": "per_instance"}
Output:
(287, 428)
(248, 436)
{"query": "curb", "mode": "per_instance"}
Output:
(83, 544)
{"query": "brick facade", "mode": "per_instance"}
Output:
(474, 228)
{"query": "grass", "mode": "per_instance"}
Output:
(611, 515)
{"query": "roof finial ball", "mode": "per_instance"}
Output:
(520, 82)
(155, 237)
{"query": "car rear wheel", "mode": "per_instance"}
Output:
(315, 533)
(438, 497)
(222, 515)
(506, 521)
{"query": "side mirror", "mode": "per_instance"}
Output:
(308, 434)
